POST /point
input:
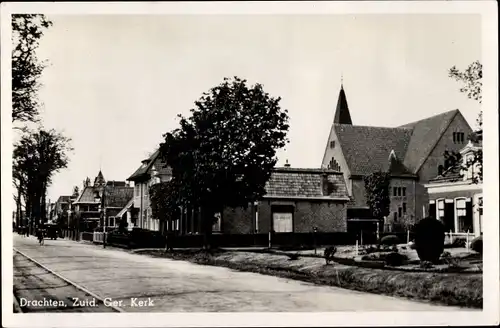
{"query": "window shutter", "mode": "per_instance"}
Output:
(432, 210)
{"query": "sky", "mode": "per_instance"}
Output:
(115, 84)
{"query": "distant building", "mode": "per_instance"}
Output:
(87, 206)
(455, 199)
(413, 154)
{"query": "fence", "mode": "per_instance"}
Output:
(466, 236)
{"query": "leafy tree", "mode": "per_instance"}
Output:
(223, 155)
(27, 29)
(164, 201)
(377, 193)
(471, 78)
(37, 156)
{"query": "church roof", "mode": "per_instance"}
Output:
(425, 135)
(342, 114)
(367, 148)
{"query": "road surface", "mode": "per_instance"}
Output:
(139, 283)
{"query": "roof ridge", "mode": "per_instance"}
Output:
(429, 117)
(376, 127)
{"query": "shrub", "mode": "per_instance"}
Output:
(395, 259)
(426, 264)
(293, 257)
(477, 244)
(429, 239)
(389, 240)
(329, 254)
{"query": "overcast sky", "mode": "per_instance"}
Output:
(116, 83)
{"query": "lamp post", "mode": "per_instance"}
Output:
(101, 199)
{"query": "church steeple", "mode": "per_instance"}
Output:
(99, 180)
(342, 115)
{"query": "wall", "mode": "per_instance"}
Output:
(429, 169)
(327, 216)
(359, 193)
(397, 202)
(336, 153)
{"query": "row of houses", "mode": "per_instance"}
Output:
(328, 199)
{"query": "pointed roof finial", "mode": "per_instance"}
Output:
(342, 114)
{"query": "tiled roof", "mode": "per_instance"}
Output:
(396, 167)
(63, 199)
(116, 196)
(143, 170)
(367, 148)
(426, 133)
(126, 207)
(306, 183)
(450, 175)
(86, 196)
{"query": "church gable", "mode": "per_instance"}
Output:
(425, 136)
(453, 138)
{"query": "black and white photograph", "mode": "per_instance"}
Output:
(250, 164)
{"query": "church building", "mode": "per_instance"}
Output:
(413, 154)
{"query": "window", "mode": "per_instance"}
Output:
(282, 222)
(399, 191)
(460, 207)
(400, 210)
(404, 208)
(111, 222)
(217, 223)
(136, 189)
(458, 137)
(395, 217)
(404, 191)
(440, 206)
(394, 191)
(332, 144)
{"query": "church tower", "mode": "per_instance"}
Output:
(99, 180)
(342, 115)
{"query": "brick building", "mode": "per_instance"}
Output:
(296, 200)
(413, 154)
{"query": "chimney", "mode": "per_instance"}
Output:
(286, 164)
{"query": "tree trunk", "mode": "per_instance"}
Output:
(207, 222)
(43, 208)
(18, 206)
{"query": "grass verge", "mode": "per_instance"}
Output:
(464, 290)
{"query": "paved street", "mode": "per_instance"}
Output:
(177, 286)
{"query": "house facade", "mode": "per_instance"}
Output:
(456, 199)
(152, 170)
(413, 154)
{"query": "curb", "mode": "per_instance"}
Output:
(85, 290)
